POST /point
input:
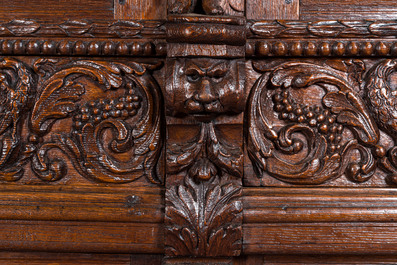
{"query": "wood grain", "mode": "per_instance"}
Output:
(273, 9)
(294, 205)
(55, 9)
(321, 238)
(108, 204)
(140, 9)
(350, 9)
(94, 237)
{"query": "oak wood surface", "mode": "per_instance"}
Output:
(350, 9)
(198, 132)
(55, 9)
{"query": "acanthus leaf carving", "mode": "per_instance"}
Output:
(206, 217)
(206, 150)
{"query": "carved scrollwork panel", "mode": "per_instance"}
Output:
(314, 122)
(103, 117)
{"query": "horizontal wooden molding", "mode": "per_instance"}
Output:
(81, 28)
(353, 238)
(321, 48)
(322, 29)
(81, 203)
(322, 205)
(95, 237)
(83, 47)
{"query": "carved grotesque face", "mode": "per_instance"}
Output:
(205, 88)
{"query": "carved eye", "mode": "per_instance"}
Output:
(218, 75)
(193, 76)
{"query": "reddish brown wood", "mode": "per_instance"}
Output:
(350, 9)
(136, 9)
(280, 205)
(79, 203)
(129, 127)
(273, 9)
(320, 238)
(88, 237)
(56, 9)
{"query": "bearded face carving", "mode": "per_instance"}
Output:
(204, 88)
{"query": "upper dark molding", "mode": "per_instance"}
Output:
(323, 29)
(224, 36)
(82, 28)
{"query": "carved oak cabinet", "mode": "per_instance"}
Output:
(198, 132)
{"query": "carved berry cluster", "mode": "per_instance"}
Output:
(314, 116)
(96, 111)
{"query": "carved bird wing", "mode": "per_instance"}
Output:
(5, 105)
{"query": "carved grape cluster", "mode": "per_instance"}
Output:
(96, 111)
(314, 116)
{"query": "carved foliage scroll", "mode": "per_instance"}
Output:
(310, 123)
(103, 116)
(305, 121)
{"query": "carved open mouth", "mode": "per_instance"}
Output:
(205, 116)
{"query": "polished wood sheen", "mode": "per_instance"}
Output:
(198, 132)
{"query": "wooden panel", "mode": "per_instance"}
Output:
(88, 237)
(320, 238)
(315, 260)
(40, 258)
(278, 205)
(111, 204)
(56, 9)
(137, 9)
(350, 9)
(274, 9)
(14, 258)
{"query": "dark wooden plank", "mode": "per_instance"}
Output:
(40, 258)
(278, 205)
(350, 9)
(111, 204)
(320, 238)
(95, 237)
(273, 9)
(56, 9)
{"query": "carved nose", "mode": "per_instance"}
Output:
(205, 94)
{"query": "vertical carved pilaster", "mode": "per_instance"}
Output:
(204, 100)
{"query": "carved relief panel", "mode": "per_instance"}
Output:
(99, 119)
(322, 122)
